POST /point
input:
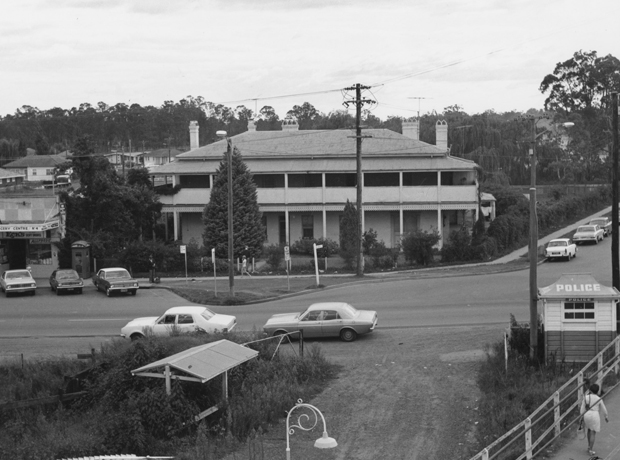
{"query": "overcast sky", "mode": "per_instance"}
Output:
(479, 54)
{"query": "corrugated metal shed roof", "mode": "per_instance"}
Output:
(203, 362)
(6, 174)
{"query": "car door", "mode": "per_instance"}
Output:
(310, 324)
(186, 323)
(164, 325)
(331, 324)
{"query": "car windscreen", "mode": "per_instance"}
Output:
(598, 222)
(67, 275)
(18, 275)
(117, 274)
(557, 243)
(585, 229)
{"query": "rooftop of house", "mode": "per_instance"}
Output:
(36, 161)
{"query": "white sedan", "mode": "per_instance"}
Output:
(592, 233)
(179, 320)
(561, 248)
(15, 281)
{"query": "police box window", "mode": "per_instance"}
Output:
(579, 310)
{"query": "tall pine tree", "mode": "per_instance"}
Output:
(248, 229)
(348, 234)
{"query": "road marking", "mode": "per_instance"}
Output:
(98, 319)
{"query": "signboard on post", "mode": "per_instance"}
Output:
(316, 261)
(183, 250)
(287, 262)
(214, 272)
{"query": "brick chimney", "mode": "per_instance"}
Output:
(411, 129)
(441, 134)
(193, 135)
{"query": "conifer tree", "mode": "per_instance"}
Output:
(248, 229)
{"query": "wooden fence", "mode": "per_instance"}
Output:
(556, 415)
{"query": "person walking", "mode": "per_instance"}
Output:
(591, 407)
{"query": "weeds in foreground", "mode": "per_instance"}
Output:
(127, 414)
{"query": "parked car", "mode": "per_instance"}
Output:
(604, 223)
(561, 248)
(66, 280)
(111, 280)
(330, 319)
(16, 281)
(585, 233)
(181, 320)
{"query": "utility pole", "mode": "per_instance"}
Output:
(615, 264)
(358, 101)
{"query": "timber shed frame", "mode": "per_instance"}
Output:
(200, 364)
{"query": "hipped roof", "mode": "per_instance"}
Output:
(203, 362)
(577, 285)
(36, 161)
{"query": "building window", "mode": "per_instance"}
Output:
(307, 227)
(194, 181)
(341, 180)
(304, 180)
(49, 172)
(447, 178)
(579, 310)
(269, 180)
(420, 179)
(34, 172)
(381, 180)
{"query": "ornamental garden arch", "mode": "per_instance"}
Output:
(200, 364)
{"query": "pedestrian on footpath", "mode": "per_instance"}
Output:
(591, 406)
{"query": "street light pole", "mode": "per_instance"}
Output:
(324, 442)
(231, 270)
(533, 250)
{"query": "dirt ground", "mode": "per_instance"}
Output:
(401, 394)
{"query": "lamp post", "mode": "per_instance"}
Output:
(231, 270)
(324, 442)
(533, 249)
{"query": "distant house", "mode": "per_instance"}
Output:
(10, 179)
(130, 158)
(36, 168)
(160, 157)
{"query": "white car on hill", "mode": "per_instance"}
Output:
(179, 320)
(588, 233)
(561, 248)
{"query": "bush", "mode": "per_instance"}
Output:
(418, 246)
(305, 246)
(458, 246)
(274, 254)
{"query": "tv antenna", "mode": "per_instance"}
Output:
(419, 102)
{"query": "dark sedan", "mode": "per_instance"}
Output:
(66, 280)
(116, 279)
(330, 319)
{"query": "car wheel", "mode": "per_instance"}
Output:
(79, 291)
(33, 292)
(108, 292)
(134, 292)
(348, 335)
(136, 336)
(57, 291)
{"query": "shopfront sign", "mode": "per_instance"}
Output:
(41, 241)
(24, 228)
(21, 235)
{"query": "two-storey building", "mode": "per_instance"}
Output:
(304, 179)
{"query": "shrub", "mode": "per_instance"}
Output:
(418, 246)
(274, 254)
(458, 246)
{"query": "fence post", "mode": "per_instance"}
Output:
(301, 343)
(617, 352)
(528, 438)
(599, 368)
(556, 413)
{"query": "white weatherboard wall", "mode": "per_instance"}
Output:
(579, 316)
